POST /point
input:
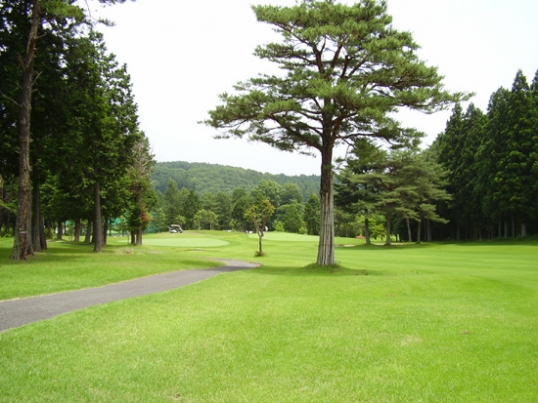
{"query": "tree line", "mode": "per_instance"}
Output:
(492, 164)
(71, 146)
(228, 210)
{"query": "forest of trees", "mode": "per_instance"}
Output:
(226, 210)
(213, 178)
(492, 164)
(70, 144)
(71, 150)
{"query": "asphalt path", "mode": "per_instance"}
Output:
(18, 312)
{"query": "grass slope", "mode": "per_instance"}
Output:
(428, 323)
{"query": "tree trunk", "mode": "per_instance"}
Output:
(60, 233)
(387, 230)
(78, 226)
(22, 245)
(89, 230)
(260, 237)
(139, 236)
(105, 230)
(523, 230)
(367, 231)
(326, 254)
(50, 227)
(429, 230)
(419, 229)
(39, 241)
(409, 233)
(98, 237)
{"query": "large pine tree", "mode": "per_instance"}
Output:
(345, 69)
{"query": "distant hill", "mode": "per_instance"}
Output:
(213, 178)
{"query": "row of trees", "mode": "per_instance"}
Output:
(227, 210)
(71, 147)
(394, 186)
(492, 164)
(346, 71)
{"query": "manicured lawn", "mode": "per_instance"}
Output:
(68, 266)
(439, 322)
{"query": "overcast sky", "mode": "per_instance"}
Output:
(182, 54)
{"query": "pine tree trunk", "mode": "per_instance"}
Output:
(22, 245)
(98, 238)
(428, 230)
(326, 253)
(409, 233)
(388, 230)
(419, 230)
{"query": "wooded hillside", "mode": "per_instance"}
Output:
(213, 178)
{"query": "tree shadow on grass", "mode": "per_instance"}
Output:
(64, 251)
(313, 270)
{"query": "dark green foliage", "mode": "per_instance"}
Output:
(291, 191)
(171, 203)
(401, 184)
(491, 160)
(191, 207)
(311, 214)
(291, 216)
(213, 178)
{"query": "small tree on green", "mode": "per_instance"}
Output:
(259, 213)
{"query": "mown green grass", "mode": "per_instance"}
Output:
(69, 266)
(440, 322)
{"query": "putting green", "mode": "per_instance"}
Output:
(186, 242)
(286, 236)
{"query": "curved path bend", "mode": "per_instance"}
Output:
(18, 312)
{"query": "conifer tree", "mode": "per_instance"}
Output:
(346, 68)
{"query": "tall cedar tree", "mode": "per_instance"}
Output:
(40, 11)
(142, 193)
(103, 127)
(346, 69)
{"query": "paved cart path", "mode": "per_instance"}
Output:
(18, 312)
